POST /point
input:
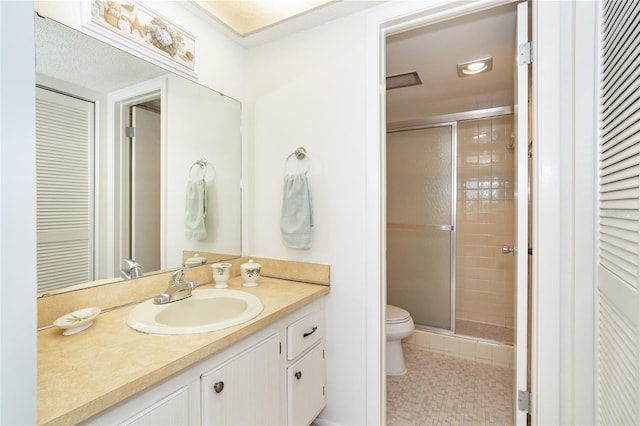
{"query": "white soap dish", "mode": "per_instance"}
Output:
(77, 321)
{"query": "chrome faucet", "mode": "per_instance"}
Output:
(178, 289)
(132, 269)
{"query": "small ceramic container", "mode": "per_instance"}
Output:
(250, 272)
(77, 321)
(221, 272)
(196, 260)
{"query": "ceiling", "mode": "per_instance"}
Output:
(255, 22)
(249, 16)
(55, 41)
(434, 50)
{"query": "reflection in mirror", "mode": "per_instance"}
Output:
(128, 156)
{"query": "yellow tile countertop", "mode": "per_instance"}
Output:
(83, 374)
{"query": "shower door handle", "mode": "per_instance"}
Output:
(508, 250)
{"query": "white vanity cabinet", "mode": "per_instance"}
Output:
(246, 390)
(306, 378)
(275, 376)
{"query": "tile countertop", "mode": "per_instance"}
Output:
(83, 374)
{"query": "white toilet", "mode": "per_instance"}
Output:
(399, 325)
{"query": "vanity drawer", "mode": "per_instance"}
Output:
(304, 333)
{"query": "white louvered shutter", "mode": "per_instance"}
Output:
(619, 253)
(64, 164)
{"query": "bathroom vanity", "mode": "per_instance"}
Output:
(269, 370)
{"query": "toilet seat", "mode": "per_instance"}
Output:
(396, 315)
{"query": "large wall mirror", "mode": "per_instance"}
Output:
(133, 162)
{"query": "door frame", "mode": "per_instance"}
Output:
(119, 103)
(382, 22)
(564, 40)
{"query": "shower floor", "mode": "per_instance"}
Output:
(484, 331)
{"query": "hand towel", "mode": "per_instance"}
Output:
(196, 210)
(296, 218)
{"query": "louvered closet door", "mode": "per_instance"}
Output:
(618, 297)
(64, 141)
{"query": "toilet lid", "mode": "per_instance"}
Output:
(395, 314)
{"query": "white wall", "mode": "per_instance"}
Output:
(210, 129)
(18, 378)
(564, 151)
(308, 90)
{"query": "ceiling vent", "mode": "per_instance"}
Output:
(403, 80)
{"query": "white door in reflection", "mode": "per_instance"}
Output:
(144, 219)
(64, 175)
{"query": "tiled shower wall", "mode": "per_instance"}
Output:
(485, 222)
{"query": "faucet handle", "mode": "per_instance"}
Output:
(131, 270)
(177, 277)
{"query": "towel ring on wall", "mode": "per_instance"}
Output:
(202, 169)
(301, 154)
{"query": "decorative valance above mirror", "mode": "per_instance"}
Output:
(134, 200)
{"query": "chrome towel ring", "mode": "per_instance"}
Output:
(201, 169)
(300, 153)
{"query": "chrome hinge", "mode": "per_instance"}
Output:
(524, 53)
(524, 401)
(130, 132)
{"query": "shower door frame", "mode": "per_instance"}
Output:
(442, 121)
(452, 221)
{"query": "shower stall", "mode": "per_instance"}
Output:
(450, 209)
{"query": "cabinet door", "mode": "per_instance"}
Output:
(306, 387)
(246, 390)
(175, 409)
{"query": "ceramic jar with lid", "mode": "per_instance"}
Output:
(250, 272)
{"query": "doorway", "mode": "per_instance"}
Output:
(453, 97)
(144, 184)
(475, 192)
(138, 164)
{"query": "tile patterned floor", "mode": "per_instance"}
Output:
(485, 331)
(443, 390)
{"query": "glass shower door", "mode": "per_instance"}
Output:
(420, 223)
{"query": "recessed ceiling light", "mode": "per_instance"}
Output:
(474, 67)
(403, 80)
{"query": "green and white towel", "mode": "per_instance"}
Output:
(196, 210)
(296, 218)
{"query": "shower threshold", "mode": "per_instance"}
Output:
(471, 330)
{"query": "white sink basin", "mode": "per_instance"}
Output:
(204, 311)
